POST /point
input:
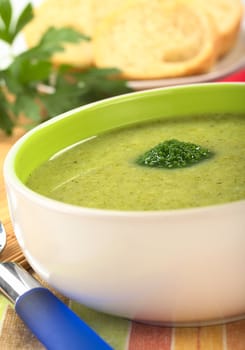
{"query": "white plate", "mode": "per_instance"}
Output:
(230, 63)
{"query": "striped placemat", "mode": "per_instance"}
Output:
(126, 335)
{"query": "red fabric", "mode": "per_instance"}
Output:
(237, 76)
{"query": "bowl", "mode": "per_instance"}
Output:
(172, 267)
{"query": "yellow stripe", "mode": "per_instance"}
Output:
(185, 338)
(211, 338)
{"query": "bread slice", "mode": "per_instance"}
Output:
(156, 39)
(145, 39)
(102, 8)
(227, 14)
(63, 13)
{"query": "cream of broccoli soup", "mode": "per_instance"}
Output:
(103, 172)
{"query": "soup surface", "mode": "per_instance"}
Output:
(101, 172)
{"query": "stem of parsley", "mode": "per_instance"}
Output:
(31, 86)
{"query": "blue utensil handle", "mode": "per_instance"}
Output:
(54, 324)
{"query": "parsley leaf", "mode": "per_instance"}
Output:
(6, 13)
(24, 18)
(6, 122)
(10, 28)
(33, 87)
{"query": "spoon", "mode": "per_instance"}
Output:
(2, 237)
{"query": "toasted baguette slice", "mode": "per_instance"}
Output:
(101, 9)
(227, 14)
(156, 39)
(63, 13)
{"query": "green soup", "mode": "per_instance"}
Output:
(101, 172)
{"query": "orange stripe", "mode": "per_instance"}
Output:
(211, 338)
(235, 334)
(146, 337)
(186, 339)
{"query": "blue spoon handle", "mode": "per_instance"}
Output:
(54, 324)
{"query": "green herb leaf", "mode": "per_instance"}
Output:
(30, 71)
(173, 154)
(5, 13)
(4, 35)
(29, 105)
(101, 83)
(54, 38)
(5, 20)
(11, 83)
(65, 97)
(6, 122)
(10, 28)
(64, 87)
(24, 18)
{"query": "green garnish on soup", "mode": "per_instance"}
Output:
(173, 154)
